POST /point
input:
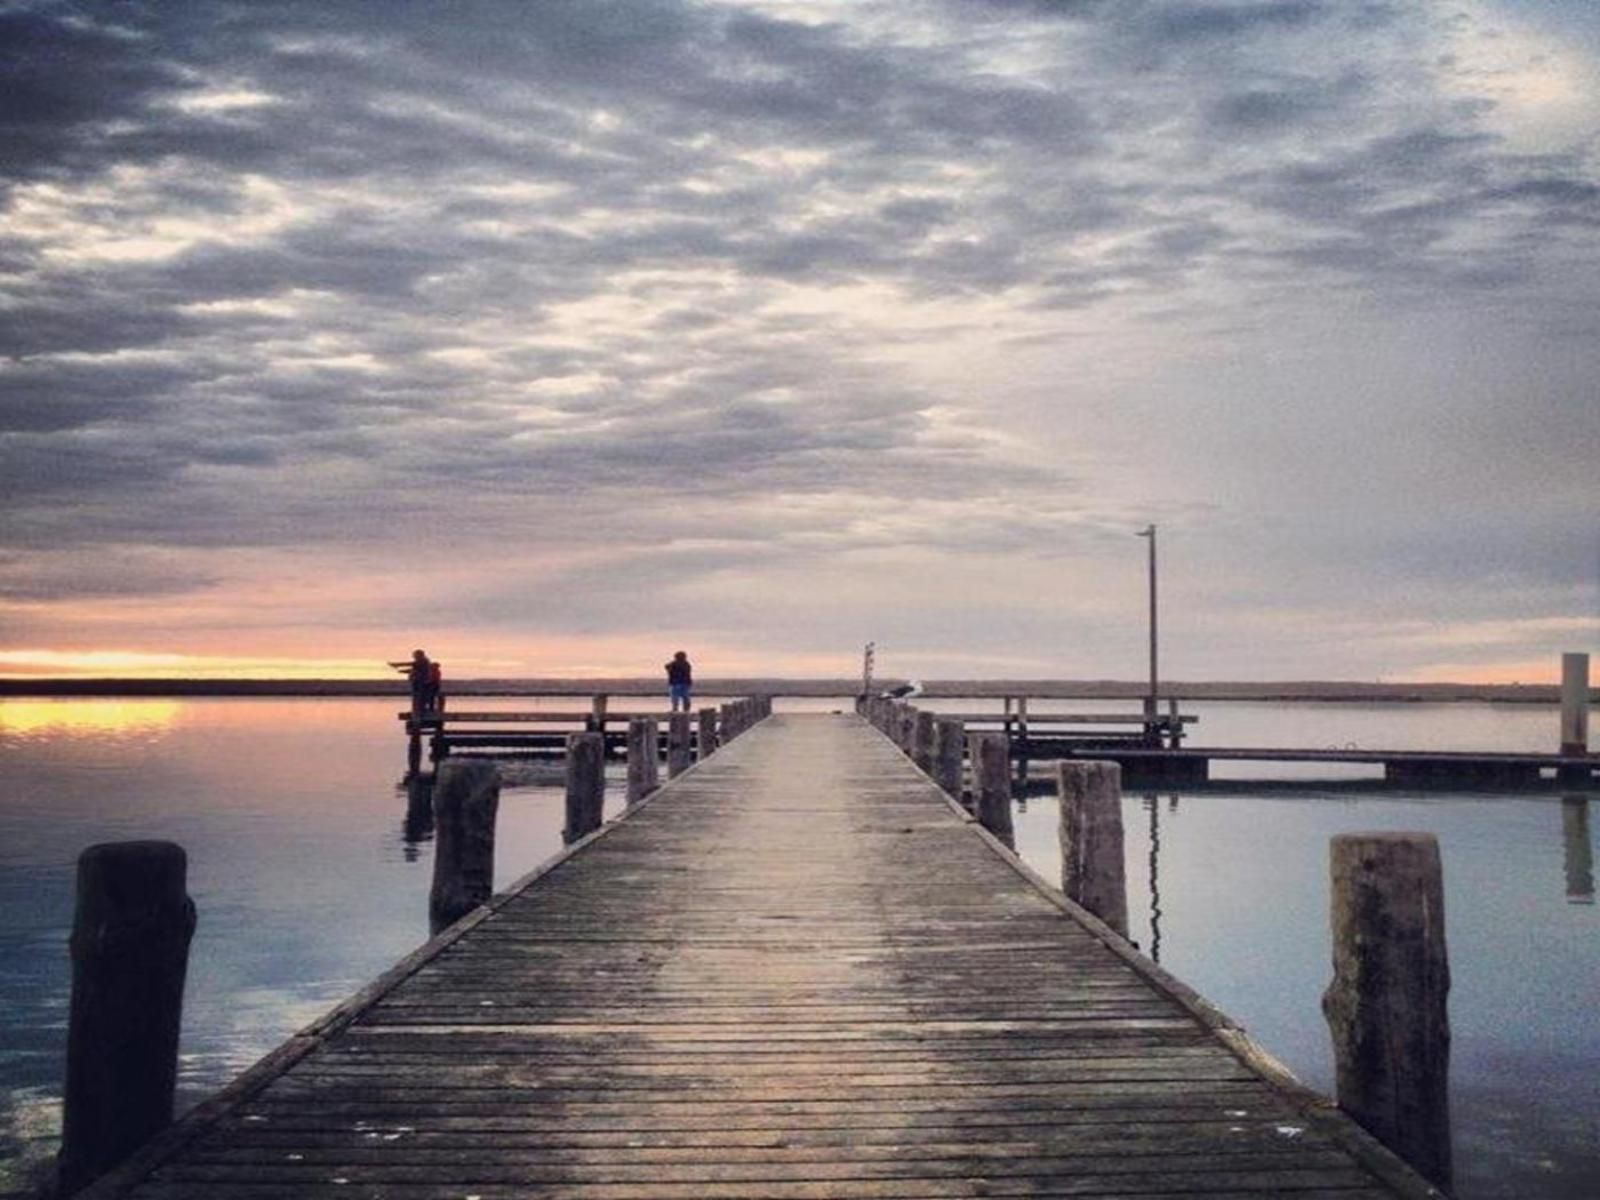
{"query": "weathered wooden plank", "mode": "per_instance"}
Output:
(1308, 1167)
(346, 1188)
(893, 1140)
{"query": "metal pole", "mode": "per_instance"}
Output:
(1150, 703)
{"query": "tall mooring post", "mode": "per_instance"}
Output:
(586, 784)
(466, 800)
(1574, 704)
(949, 742)
(1092, 868)
(1386, 1006)
(707, 734)
(678, 743)
(991, 782)
(643, 773)
(130, 953)
(922, 740)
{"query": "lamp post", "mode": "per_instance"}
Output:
(1149, 531)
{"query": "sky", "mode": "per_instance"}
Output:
(556, 337)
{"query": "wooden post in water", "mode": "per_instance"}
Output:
(652, 760)
(1092, 870)
(130, 952)
(678, 748)
(1386, 1007)
(597, 713)
(991, 782)
(949, 740)
(922, 740)
(1574, 711)
(708, 733)
(466, 798)
(586, 783)
(641, 758)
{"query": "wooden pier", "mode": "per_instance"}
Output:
(797, 971)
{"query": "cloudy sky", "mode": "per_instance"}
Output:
(558, 336)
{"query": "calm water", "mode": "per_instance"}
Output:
(307, 888)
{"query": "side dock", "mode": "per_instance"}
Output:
(796, 971)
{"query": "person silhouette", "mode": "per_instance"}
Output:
(680, 679)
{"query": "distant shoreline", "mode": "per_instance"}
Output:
(1305, 691)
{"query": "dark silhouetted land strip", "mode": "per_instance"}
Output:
(797, 971)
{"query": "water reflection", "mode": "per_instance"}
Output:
(1579, 850)
(1152, 805)
(417, 827)
(78, 717)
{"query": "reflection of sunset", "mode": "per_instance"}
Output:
(86, 716)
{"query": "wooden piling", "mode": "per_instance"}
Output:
(707, 733)
(728, 724)
(922, 740)
(990, 754)
(1386, 1006)
(1574, 704)
(949, 742)
(641, 758)
(586, 783)
(679, 728)
(130, 952)
(1092, 869)
(597, 713)
(652, 758)
(905, 727)
(466, 799)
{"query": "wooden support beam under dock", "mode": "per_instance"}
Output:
(796, 971)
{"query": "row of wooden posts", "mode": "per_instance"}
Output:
(134, 920)
(1386, 1005)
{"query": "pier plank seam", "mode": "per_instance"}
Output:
(871, 990)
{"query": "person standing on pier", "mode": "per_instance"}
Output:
(680, 678)
(425, 681)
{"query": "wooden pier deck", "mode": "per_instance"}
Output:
(796, 972)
